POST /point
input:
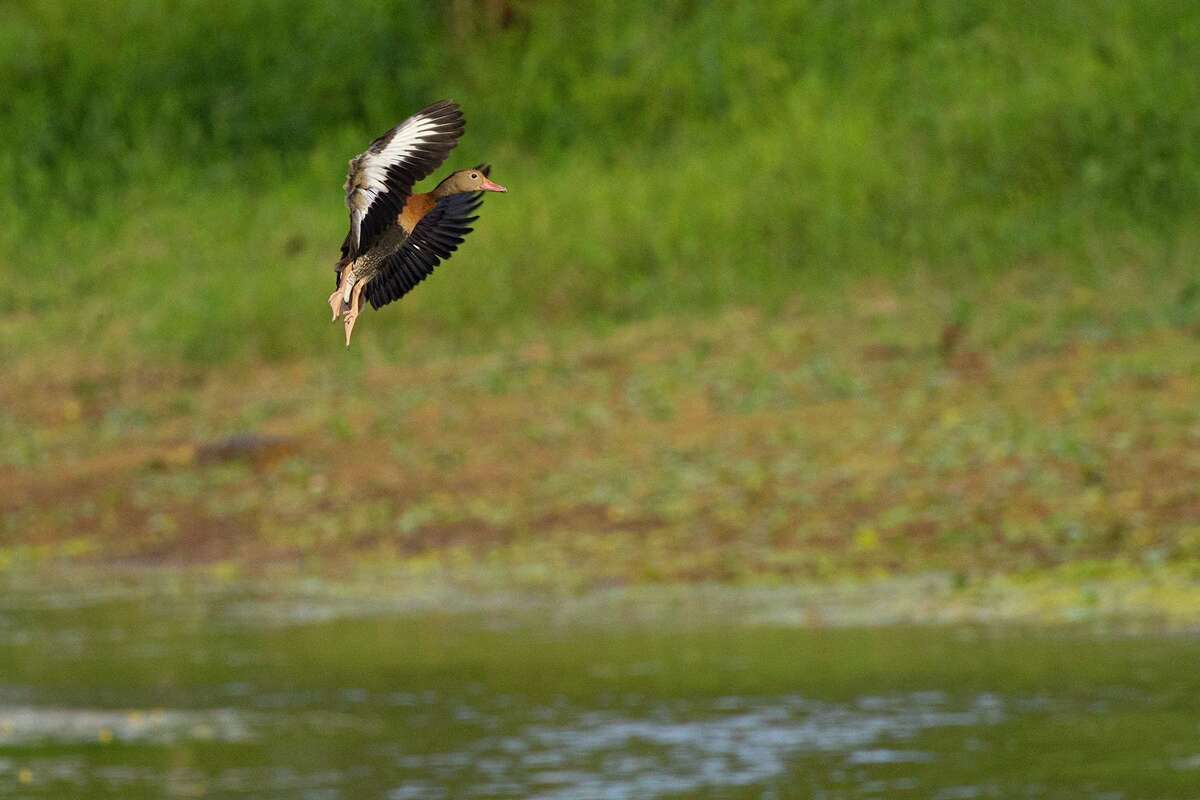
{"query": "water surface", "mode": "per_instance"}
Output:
(145, 692)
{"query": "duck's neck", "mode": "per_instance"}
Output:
(444, 189)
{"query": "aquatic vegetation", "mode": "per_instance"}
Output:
(835, 439)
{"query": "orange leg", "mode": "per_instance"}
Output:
(350, 314)
(335, 299)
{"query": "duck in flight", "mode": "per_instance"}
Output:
(397, 238)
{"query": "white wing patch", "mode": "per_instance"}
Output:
(408, 153)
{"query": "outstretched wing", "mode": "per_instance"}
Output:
(433, 240)
(381, 179)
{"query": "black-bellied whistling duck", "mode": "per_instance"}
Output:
(396, 237)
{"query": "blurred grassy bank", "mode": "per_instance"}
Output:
(1052, 432)
(170, 174)
(780, 290)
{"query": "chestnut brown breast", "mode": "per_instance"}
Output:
(415, 207)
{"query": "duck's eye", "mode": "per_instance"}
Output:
(474, 175)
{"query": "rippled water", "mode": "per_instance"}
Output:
(169, 692)
(569, 752)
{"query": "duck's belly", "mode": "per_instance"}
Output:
(369, 264)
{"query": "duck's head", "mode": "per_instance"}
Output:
(470, 180)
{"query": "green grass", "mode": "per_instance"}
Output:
(779, 290)
(170, 177)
